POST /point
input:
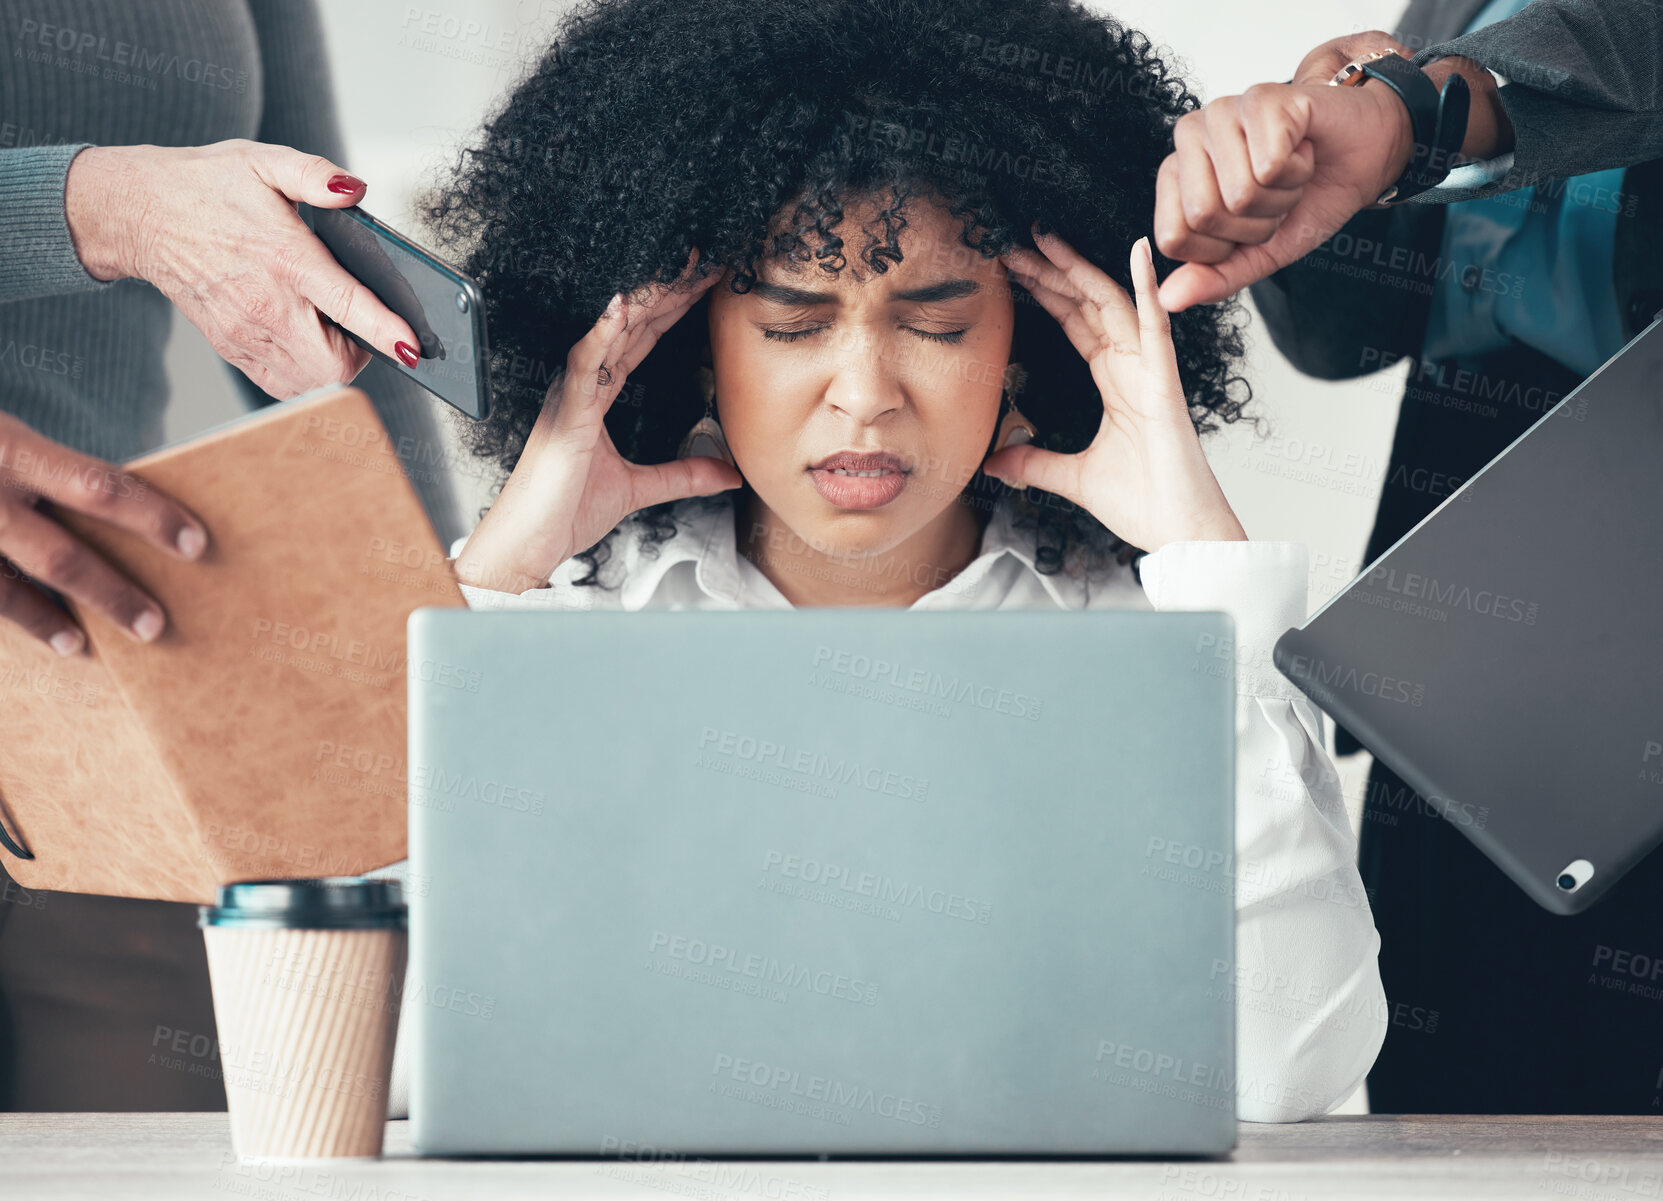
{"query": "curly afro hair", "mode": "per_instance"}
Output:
(649, 127)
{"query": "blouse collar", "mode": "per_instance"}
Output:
(705, 536)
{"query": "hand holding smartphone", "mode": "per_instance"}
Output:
(442, 305)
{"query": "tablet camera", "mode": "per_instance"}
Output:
(1574, 875)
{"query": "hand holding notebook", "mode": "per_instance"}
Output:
(262, 734)
(33, 468)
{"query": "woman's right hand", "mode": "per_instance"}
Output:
(215, 230)
(571, 486)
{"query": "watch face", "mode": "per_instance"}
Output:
(1351, 75)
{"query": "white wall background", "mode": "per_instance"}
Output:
(413, 79)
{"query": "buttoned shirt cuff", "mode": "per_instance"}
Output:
(547, 597)
(1261, 585)
(1468, 180)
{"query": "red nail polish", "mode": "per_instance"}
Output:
(345, 184)
(407, 354)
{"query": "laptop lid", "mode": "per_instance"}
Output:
(1504, 656)
(821, 881)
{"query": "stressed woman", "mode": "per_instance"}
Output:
(878, 327)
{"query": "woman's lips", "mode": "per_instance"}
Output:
(859, 481)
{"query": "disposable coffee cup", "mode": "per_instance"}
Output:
(307, 977)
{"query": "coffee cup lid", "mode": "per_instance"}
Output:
(327, 903)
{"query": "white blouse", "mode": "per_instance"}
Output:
(1311, 1013)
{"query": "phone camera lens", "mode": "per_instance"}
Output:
(1567, 881)
(461, 302)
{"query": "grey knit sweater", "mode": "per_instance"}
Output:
(82, 361)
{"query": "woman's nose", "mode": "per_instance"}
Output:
(865, 382)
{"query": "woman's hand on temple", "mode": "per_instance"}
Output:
(1144, 476)
(215, 229)
(571, 486)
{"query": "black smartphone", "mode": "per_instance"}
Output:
(441, 304)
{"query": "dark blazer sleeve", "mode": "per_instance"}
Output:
(1584, 88)
(1358, 302)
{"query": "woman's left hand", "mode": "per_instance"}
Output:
(1144, 475)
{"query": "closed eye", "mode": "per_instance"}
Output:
(793, 335)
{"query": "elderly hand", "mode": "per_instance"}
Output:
(216, 230)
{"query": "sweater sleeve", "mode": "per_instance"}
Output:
(39, 256)
(1310, 1009)
(298, 110)
(297, 105)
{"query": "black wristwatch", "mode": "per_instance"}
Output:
(1438, 118)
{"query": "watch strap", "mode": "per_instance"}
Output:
(1437, 118)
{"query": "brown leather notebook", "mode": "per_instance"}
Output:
(262, 735)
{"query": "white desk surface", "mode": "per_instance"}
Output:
(178, 1156)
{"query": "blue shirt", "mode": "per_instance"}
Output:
(1532, 265)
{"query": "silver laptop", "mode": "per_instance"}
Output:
(821, 882)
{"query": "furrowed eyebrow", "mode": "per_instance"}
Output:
(947, 289)
(784, 294)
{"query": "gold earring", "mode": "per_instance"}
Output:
(1015, 428)
(706, 438)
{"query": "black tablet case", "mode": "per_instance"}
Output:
(1505, 656)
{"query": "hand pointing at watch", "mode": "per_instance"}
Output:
(1259, 180)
